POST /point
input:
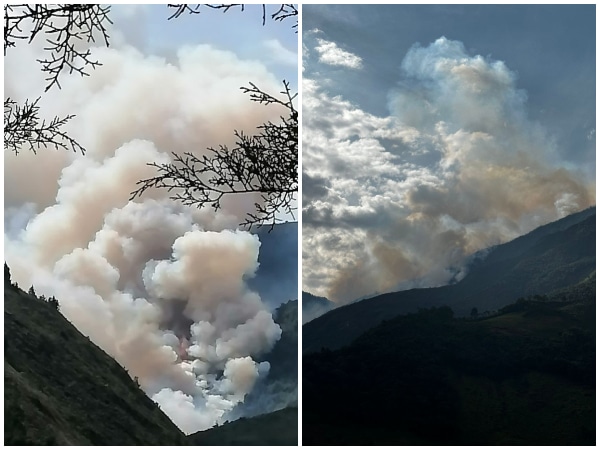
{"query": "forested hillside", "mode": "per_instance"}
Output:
(524, 376)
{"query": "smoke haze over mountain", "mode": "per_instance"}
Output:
(399, 201)
(161, 287)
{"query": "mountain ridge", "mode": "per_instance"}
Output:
(314, 306)
(567, 246)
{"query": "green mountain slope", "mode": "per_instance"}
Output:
(61, 389)
(550, 257)
(524, 376)
(276, 428)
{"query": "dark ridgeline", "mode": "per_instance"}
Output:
(314, 306)
(504, 357)
(276, 428)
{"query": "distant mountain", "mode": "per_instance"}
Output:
(284, 355)
(61, 389)
(551, 257)
(313, 306)
(522, 376)
(276, 279)
(276, 428)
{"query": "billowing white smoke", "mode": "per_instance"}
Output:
(200, 412)
(160, 287)
(455, 168)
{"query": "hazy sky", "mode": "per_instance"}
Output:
(274, 45)
(432, 131)
(160, 287)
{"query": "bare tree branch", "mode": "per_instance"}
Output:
(265, 163)
(22, 125)
(283, 11)
(64, 26)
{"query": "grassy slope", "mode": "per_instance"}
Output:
(60, 388)
(276, 428)
(525, 376)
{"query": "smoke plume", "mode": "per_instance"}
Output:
(160, 287)
(457, 167)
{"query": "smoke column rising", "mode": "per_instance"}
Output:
(160, 287)
(401, 201)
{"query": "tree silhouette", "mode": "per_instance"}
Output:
(281, 12)
(7, 280)
(64, 27)
(54, 303)
(265, 163)
(23, 126)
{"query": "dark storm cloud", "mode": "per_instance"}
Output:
(313, 187)
(318, 216)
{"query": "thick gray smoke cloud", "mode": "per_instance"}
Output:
(400, 201)
(160, 287)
